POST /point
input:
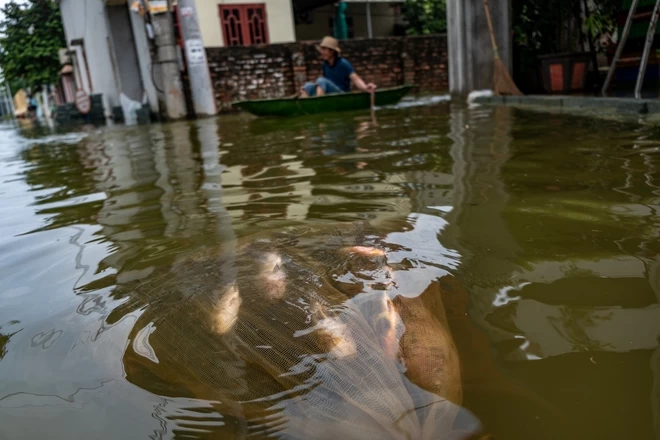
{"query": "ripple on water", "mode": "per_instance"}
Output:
(120, 246)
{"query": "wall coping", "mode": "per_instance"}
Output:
(313, 42)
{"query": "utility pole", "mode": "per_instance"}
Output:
(175, 102)
(197, 64)
(370, 31)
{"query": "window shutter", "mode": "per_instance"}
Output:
(244, 24)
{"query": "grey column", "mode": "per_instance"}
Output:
(174, 98)
(198, 68)
(469, 49)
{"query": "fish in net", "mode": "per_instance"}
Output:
(286, 353)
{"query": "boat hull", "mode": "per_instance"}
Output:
(322, 104)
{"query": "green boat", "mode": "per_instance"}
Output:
(296, 106)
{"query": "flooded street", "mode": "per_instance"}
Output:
(444, 272)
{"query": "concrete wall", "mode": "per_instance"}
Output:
(383, 19)
(144, 58)
(126, 63)
(278, 12)
(278, 70)
(470, 49)
(68, 114)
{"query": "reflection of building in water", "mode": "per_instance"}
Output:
(353, 178)
(163, 197)
(154, 205)
(266, 183)
(335, 169)
(538, 311)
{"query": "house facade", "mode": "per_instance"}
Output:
(112, 55)
(245, 22)
(108, 55)
(364, 19)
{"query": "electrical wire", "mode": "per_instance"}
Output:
(153, 79)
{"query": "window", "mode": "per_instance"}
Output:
(244, 24)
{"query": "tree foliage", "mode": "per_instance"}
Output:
(31, 35)
(426, 16)
(552, 26)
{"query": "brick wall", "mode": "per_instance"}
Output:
(378, 60)
(427, 62)
(278, 70)
(250, 72)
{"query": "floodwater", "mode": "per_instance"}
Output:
(444, 272)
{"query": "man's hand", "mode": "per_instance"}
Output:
(369, 88)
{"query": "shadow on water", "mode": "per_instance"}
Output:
(201, 279)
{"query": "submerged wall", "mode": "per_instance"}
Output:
(278, 70)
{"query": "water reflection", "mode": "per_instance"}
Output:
(530, 240)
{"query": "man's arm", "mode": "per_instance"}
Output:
(369, 88)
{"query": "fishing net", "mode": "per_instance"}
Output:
(302, 341)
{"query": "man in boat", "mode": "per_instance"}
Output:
(338, 74)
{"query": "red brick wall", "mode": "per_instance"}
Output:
(278, 70)
(250, 72)
(378, 60)
(427, 62)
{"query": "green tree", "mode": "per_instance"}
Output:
(31, 35)
(426, 16)
(553, 26)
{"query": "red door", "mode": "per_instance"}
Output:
(243, 25)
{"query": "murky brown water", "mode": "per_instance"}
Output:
(201, 280)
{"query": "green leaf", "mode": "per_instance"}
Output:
(425, 16)
(31, 59)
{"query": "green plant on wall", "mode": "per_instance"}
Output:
(31, 35)
(600, 18)
(426, 16)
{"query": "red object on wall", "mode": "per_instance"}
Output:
(579, 72)
(243, 25)
(565, 73)
(557, 77)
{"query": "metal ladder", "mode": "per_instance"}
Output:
(650, 36)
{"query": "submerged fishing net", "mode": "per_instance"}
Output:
(287, 353)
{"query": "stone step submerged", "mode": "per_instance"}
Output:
(607, 107)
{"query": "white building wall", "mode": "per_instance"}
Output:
(87, 20)
(278, 12)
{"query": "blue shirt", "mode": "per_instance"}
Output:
(339, 73)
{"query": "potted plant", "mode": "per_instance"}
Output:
(560, 38)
